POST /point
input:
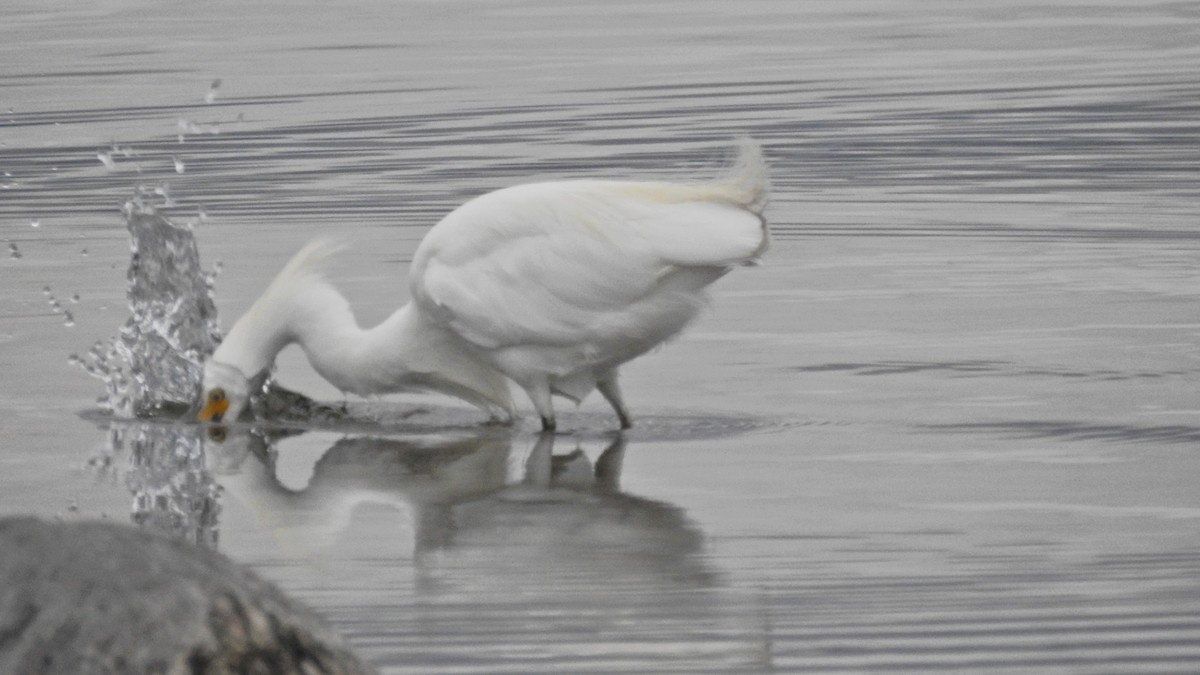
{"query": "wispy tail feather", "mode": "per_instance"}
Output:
(746, 181)
(749, 185)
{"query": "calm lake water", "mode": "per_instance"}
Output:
(950, 425)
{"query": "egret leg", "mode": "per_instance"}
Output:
(539, 393)
(612, 393)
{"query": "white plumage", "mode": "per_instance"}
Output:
(550, 285)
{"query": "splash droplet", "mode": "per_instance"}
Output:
(46, 291)
(189, 127)
(107, 160)
(75, 298)
(35, 223)
(13, 251)
(212, 91)
(84, 252)
(179, 168)
(68, 319)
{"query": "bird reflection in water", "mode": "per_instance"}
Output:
(463, 493)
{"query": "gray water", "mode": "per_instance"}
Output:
(950, 425)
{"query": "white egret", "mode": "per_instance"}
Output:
(550, 285)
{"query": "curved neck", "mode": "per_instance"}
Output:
(406, 351)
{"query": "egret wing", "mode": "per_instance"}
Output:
(555, 263)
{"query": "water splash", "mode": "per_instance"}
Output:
(155, 363)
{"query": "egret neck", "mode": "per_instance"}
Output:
(404, 352)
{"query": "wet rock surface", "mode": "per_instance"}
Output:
(104, 598)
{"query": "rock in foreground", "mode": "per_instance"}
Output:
(104, 598)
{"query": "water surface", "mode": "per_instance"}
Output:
(951, 424)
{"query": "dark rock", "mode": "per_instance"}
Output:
(103, 598)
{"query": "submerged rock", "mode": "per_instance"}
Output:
(103, 598)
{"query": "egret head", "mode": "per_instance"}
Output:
(226, 392)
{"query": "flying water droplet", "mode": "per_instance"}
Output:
(178, 164)
(84, 252)
(189, 127)
(107, 160)
(212, 91)
(210, 279)
(68, 319)
(35, 223)
(75, 298)
(46, 291)
(164, 190)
